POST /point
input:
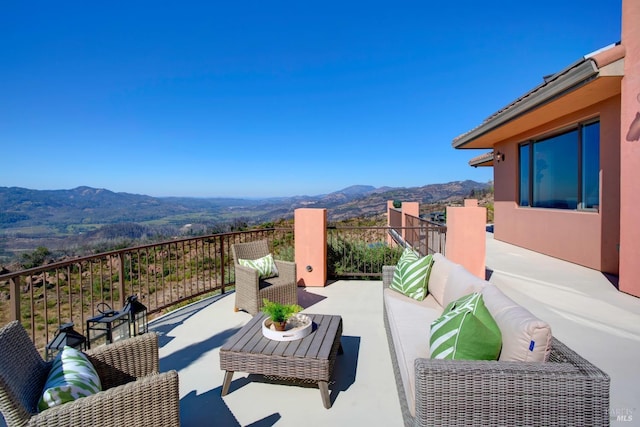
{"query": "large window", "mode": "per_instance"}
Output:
(562, 171)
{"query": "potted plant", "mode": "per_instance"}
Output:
(279, 313)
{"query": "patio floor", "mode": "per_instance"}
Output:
(363, 391)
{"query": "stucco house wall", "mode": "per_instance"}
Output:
(586, 238)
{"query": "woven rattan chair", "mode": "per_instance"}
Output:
(250, 289)
(133, 390)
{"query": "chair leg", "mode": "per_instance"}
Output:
(236, 309)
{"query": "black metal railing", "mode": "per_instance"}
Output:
(173, 273)
(362, 251)
(164, 276)
(425, 236)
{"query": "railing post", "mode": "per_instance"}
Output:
(121, 273)
(14, 295)
(222, 264)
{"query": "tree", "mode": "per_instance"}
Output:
(35, 258)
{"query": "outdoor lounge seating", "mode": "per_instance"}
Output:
(134, 393)
(535, 381)
(251, 289)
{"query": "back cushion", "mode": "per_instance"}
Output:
(460, 283)
(438, 277)
(525, 338)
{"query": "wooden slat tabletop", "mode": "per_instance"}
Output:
(317, 345)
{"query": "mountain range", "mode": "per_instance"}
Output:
(31, 218)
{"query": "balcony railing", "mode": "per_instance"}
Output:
(425, 236)
(170, 274)
(163, 275)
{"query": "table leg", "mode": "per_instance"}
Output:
(324, 392)
(227, 382)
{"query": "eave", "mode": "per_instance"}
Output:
(485, 159)
(586, 82)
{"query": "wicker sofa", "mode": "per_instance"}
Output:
(537, 380)
(134, 393)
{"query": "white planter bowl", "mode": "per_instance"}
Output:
(298, 326)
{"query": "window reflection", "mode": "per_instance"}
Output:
(562, 171)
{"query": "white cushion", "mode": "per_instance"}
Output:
(461, 282)
(409, 322)
(525, 338)
(438, 277)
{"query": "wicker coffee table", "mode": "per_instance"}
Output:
(308, 359)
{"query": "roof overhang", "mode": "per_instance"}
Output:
(485, 159)
(576, 87)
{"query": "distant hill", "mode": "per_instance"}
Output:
(62, 218)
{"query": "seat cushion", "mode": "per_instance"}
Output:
(525, 338)
(265, 266)
(409, 322)
(411, 275)
(465, 331)
(72, 376)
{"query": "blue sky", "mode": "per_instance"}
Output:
(261, 98)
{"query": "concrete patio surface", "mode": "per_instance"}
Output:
(585, 311)
(363, 391)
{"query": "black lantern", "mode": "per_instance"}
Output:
(66, 336)
(137, 315)
(109, 327)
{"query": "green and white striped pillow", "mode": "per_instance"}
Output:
(266, 266)
(412, 274)
(465, 331)
(72, 376)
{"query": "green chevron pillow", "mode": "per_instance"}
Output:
(72, 376)
(266, 266)
(466, 330)
(412, 274)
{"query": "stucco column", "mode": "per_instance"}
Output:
(310, 231)
(390, 208)
(409, 208)
(467, 236)
(630, 151)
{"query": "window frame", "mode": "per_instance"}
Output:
(529, 144)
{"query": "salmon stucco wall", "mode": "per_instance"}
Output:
(467, 237)
(630, 151)
(587, 238)
(310, 229)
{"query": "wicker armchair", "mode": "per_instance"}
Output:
(133, 390)
(250, 289)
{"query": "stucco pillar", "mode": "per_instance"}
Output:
(466, 236)
(310, 230)
(630, 151)
(409, 208)
(390, 208)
